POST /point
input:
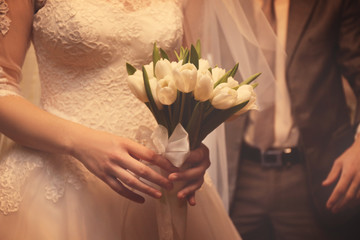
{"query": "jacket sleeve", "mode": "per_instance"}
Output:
(349, 48)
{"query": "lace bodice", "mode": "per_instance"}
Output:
(82, 47)
(82, 53)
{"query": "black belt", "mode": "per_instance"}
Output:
(273, 157)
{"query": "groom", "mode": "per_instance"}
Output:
(309, 186)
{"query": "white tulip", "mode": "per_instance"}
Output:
(136, 85)
(224, 97)
(232, 82)
(246, 93)
(204, 85)
(149, 70)
(153, 87)
(163, 68)
(185, 77)
(217, 73)
(166, 90)
(203, 64)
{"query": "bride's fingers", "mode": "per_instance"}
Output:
(145, 172)
(131, 181)
(122, 190)
(141, 152)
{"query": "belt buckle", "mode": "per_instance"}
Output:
(271, 158)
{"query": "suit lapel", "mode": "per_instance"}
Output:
(299, 14)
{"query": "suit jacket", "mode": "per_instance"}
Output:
(323, 44)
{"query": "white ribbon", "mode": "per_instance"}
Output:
(171, 213)
(176, 148)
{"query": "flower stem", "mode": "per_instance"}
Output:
(183, 99)
(171, 124)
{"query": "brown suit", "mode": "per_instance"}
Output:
(323, 44)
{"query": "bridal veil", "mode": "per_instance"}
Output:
(233, 31)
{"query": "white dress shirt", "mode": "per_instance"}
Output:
(285, 133)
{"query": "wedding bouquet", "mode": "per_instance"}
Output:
(191, 93)
(188, 99)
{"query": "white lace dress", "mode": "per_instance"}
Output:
(82, 47)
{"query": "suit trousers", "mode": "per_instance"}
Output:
(274, 203)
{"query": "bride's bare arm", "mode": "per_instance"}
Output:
(108, 156)
(104, 154)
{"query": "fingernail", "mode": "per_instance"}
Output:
(173, 177)
(158, 194)
(181, 196)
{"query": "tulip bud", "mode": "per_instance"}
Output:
(203, 64)
(153, 87)
(231, 82)
(246, 93)
(149, 70)
(136, 85)
(166, 90)
(224, 97)
(204, 85)
(185, 77)
(163, 68)
(217, 73)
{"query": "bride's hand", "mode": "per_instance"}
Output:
(193, 175)
(113, 159)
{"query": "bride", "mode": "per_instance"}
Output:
(69, 175)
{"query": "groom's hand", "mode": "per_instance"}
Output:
(193, 174)
(347, 168)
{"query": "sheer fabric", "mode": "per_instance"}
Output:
(13, 45)
(234, 31)
(82, 47)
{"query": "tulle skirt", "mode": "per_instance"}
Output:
(81, 207)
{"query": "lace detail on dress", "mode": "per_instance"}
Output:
(136, 5)
(21, 164)
(14, 172)
(4, 20)
(65, 171)
(82, 54)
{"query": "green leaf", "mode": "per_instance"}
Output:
(182, 52)
(250, 79)
(130, 69)
(194, 57)
(223, 79)
(185, 57)
(156, 56)
(157, 114)
(230, 73)
(177, 56)
(194, 124)
(176, 106)
(216, 117)
(234, 70)
(164, 54)
(254, 85)
(198, 48)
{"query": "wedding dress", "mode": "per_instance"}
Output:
(82, 47)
